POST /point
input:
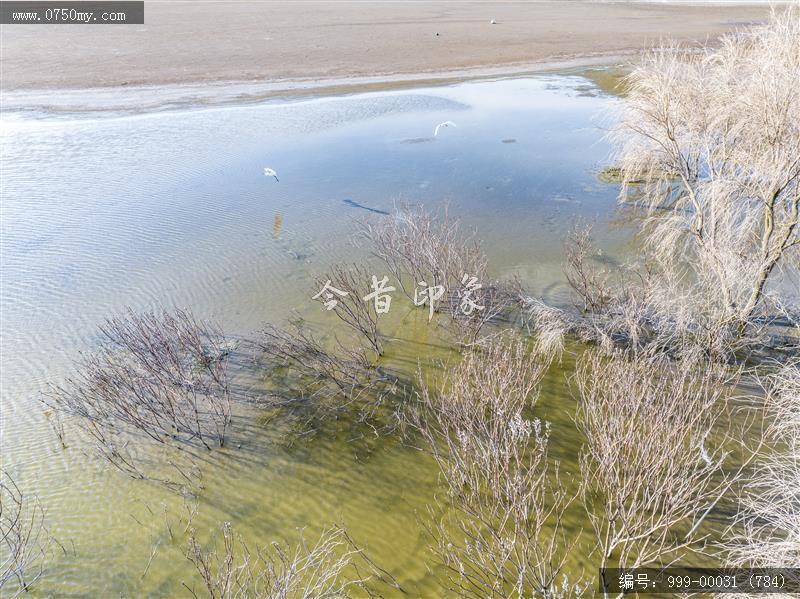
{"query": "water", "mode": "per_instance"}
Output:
(172, 208)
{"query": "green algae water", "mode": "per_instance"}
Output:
(173, 208)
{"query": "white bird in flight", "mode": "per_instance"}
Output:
(440, 125)
(271, 173)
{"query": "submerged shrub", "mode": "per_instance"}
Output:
(651, 469)
(332, 567)
(418, 245)
(506, 536)
(325, 381)
(158, 377)
(768, 527)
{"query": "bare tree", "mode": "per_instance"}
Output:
(423, 249)
(472, 309)
(647, 307)
(709, 144)
(507, 537)
(351, 308)
(588, 284)
(417, 245)
(302, 351)
(707, 147)
(651, 467)
(24, 539)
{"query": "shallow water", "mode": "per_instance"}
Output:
(174, 209)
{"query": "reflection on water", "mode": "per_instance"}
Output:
(353, 204)
(174, 209)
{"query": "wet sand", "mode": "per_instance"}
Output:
(260, 40)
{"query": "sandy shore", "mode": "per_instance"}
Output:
(259, 40)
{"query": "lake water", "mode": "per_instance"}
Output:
(172, 208)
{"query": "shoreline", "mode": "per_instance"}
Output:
(27, 105)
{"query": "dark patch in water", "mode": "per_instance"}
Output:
(350, 202)
(509, 141)
(586, 91)
(565, 199)
(417, 140)
(607, 260)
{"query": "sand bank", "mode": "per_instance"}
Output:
(261, 41)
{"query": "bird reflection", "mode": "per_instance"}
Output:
(276, 225)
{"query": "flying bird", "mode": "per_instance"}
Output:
(440, 125)
(271, 173)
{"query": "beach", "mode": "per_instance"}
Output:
(226, 41)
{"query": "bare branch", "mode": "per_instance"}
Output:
(24, 539)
